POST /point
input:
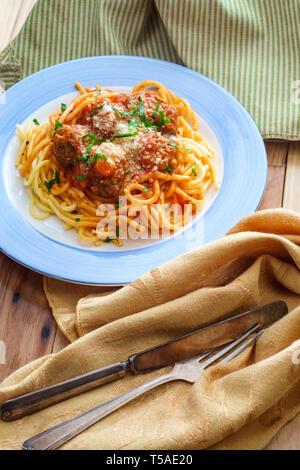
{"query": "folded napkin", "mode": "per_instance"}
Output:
(238, 405)
(249, 47)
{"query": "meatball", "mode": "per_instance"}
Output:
(150, 100)
(103, 120)
(106, 175)
(155, 152)
(68, 144)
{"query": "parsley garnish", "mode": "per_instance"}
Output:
(81, 177)
(168, 170)
(77, 220)
(93, 141)
(142, 114)
(163, 120)
(148, 124)
(147, 189)
(63, 107)
(91, 136)
(177, 146)
(57, 176)
(127, 113)
(99, 157)
(194, 172)
(127, 171)
(133, 123)
(108, 240)
(55, 180)
(135, 110)
(98, 92)
(74, 212)
(36, 122)
(118, 111)
(58, 125)
(127, 134)
(94, 110)
(156, 110)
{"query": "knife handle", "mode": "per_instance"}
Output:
(39, 399)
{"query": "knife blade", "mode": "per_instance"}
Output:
(178, 349)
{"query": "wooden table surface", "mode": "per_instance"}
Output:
(26, 323)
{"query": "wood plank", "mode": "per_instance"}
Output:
(291, 197)
(277, 154)
(288, 438)
(274, 189)
(26, 324)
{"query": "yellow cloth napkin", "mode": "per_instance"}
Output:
(238, 405)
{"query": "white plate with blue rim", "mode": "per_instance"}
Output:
(46, 247)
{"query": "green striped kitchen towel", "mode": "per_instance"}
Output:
(250, 47)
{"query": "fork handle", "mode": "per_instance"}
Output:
(56, 436)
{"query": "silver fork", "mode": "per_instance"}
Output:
(188, 370)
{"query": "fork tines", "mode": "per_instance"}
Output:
(232, 347)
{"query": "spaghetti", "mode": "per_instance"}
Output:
(134, 162)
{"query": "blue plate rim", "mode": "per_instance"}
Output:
(163, 63)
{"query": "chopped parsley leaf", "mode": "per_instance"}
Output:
(108, 240)
(177, 146)
(168, 170)
(127, 113)
(135, 110)
(81, 177)
(127, 171)
(74, 212)
(126, 134)
(57, 176)
(117, 205)
(156, 110)
(98, 91)
(63, 107)
(49, 184)
(118, 111)
(194, 172)
(133, 123)
(93, 141)
(94, 110)
(36, 122)
(147, 189)
(55, 180)
(91, 136)
(58, 125)
(99, 157)
(77, 220)
(163, 120)
(142, 114)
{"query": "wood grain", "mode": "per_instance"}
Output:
(277, 156)
(26, 323)
(291, 196)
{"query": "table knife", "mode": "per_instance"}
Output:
(178, 349)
